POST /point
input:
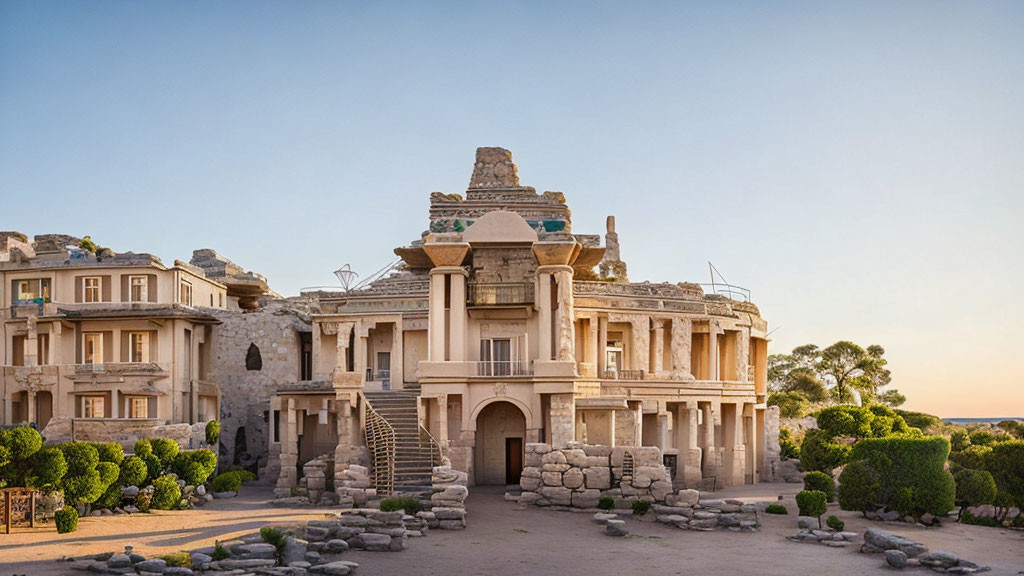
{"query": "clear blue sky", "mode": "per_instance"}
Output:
(859, 166)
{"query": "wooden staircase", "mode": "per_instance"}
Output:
(415, 453)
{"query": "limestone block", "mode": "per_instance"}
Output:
(530, 472)
(601, 461)
(557, 495)
(586, 498)
(573, 478)
(552, 478)
(554, 468)
(683, 498)
(529, 484)
(371, 542)
(616, 528)
(647, 456)
(554, 457)
(577, 458)
(538, 448)
(599, 478)
(532, 459)
(595, 450)
(660, 489)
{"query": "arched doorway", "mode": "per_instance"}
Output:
(500, 440)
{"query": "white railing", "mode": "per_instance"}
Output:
(503, 368)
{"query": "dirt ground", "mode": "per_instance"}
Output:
(503, 540)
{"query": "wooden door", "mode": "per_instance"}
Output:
(513, 460)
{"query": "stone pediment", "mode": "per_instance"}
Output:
(500, 227)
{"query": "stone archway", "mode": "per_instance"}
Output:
(500, 441)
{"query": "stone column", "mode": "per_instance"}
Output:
(289, 452)
(32, 347)
(344, 332)
(563, 420)
(590, 355)
(457, 315)
(442, 419)
(611, 426)
(682, 341)
(638, 425)
(359, 353)
(31, 405)
(641, 343)
(543, 316)
(602, 345)
(742, 354)
(710, 460)
(397, 356)
(56, 350)
(658, 327)
(732, 436)
(566, 323)
(436, 328)
(713, 332)
(692, 473)
(664, 425)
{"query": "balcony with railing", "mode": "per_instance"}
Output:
(486, 294)
(622, 375)
(504, 368)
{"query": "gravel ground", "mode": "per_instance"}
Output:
(503, 540)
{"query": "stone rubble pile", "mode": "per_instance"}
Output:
(448, 501)
(825, 537)
(687, 512)
(901, 552)
(579, 475)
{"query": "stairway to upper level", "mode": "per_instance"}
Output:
(413, 455)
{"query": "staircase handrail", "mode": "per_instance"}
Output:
(436, 451)
(380, 443)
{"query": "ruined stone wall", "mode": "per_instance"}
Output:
(123, 431)
(245, 394)
(503, 265)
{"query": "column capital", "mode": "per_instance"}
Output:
(449, 270)
(553, 269)
(446, 253)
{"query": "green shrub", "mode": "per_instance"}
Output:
(143, 501)
(973, 457)
(606, 503)
(48, 468)
(178, 559)
(110, 498)
(133, 472)
(166, 493)
(835, 523)
(212, 432)
(143, 446)
(821, 482)
(220, 552)
(791, 404)
(919, 420)
(641, 507)
(195, 466)
(910, 473)
(974, 488)
(986, 438)
(110, 452)
(812, 503)
(153, 466)
(82, 484)
(66, 520)
(852, 421)
(22, 442)
(819, 451)
(787, 444)
(407, 503)
(227, 482)
(959, 440)
(108, 473)
(859, 487)
(968, 518)
(165, 449)
(275, 537)
(775, 509)
(1006, 463)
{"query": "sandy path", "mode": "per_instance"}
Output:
(502, 540)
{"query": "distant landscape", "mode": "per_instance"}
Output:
(966, 421)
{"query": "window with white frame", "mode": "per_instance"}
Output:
(92, 289)
(138, 407)
(497, 357)
(33, 289)
(185, 293)
(92, 348)
(138, 288)
(93, 406)
(138, 347)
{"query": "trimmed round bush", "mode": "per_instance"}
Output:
(195, 466)
(212, 432)
(606, 503)
(22, 442)
(1006, 463)
(133, 472)
(853, 421)
(974, 488)
(959, 440)
(910, 471)
(110, 452)
(165, 449)
(178, 560)
(166, 493)
(973, 457)
(108, 473)
(48, 468)
(776, 509)
(143, 446)
(227, 482)
(835, 523)
(819, 451)
(641, 507)
(812, 503)
(153, 466)
(66, 520)
(110, 498)
(858, 487)
(821, 482)
(82, 483)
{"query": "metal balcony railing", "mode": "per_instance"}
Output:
(503, 368)
(499, 294)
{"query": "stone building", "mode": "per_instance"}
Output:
(496, 331)
(103, 346)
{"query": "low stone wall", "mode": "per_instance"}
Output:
(579, 475)
(124, 431)
(448, 501)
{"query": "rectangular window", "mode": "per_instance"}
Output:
(92, 348)
(497, 359)
(277, 425)
(138, 290)
(185, 293)
(138, 347)
(92, 406)
(91, 289)
(43, 349)
(30, 291)
(138, 407)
